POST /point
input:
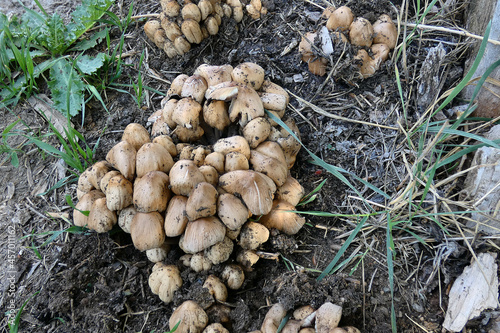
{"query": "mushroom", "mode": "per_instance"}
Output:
(247, 259)
(237, 9)
(291, 191)
(257, 130)
(189, 317)
(340, 19)
(136, 135)
(215, 328)
(146, 230)
(122, 157)
(327, 317)
(385, 32)
(268, 159)
(84, 184)
(170, 7)
(303, 312)
(216, 288)
(175, 219)
(236, 161)
(181, 45)
(125, 218)
(151, 27)
(210, 173)
(291, 326)
(273, 318)
(105, 180)
(327, 12)
(188, 134)
(158, 254)
(256, 189)
(167, 143)
(202, 201)
(206, 8)
(287, 141)
(187, 113)
(361, 32)
(101, 219)
(96, 172)
(231, 211)
(234, 276)
(164, 281)
(199, 262)
(283, 218)
(151, 192)
(215, 114)
(184, 176)
(84, 205)
(194, 87)
(191, 11)
(220, 252)
(201, 234)
(118, 193)
(234, 143)
(250, 74)
(192, 31)
(253, 235)
(216, 160)
(176, 86)
(214, 75)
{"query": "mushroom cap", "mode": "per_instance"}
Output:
(273, 318)
(84, 205)
(234, 276)
(119, 193)
(274, 102)
(216, 160)
(282, 219)
(385, 32)
(367, 67)
(206, 8)
(187, 112)
(153, 157)
(291, 191)
(181, 45)
(176, 86)
(125, 218)
(327, 317)
(122, 157)
(255, 189)
(136, 135)
(158, 254)
(231, 211)
(151, 192)
(151, 27)
(215, 114)
(176, 219)
(167, 143)
(191, 11)
(188, 134)
(190, 316)
(253, 235)
(202, 201)
(216, 288)
(340, 19)
(257, 131)
(215, 328)
(164, 281)
(105, 180)
(212, 25)
(171, 29)
(361, 32)
(184, 176)
(270, 87)
(236, 161)
(220, 252)
(303, 312)
(291, 326)
(234, 143)
(247, 259)
(84, 184)
(96, 172)
(194, 87)
(214, 75)
(327, 12)
(250, 74)
(262, 160)
(287, 142)
(210, 173)
(305, 46)
(192, 31)
(146, 230)
(199, 262)
(101, 219)
(380, 53)
(201, 234)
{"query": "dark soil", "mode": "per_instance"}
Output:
(88, 282)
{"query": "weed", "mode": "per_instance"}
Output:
(14, 326)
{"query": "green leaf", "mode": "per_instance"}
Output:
(86, 44)
(66, 87)
(88, 64)
(85, 16)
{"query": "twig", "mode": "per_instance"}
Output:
(452, 31)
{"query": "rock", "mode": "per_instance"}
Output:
(473, 291)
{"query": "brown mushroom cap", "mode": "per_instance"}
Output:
(340, 19)
(212, 25)
(327, 317)
(147, 231)
(291, 191)
(105, 180)
(184, 176)
(273, 167)
(327, 12)
(175, 219)
(210, 173)
(164, 281)
(136, 135)
(380, 53)
(253, 235)
(282, 219)
(273, 318)
(84, 205)
(214, 74)
(84, 184)
(215, 328)
(153, 157)
(187, 112)
(96, 172)
(216, 159)
(192, 31)
(125, 218)
(367, 67)
(101, 219)
(122, 157)
(234, 276)
(216, 288)
(170, 7)
(247, 259)
(255, 189)
(220, 252)
(206, 8)
(201, 234)
(181, 45)
(303, 312)
(119, 193)
(270, 87)
(231, 211)
(215, 114)
(234, 143)
(250, 74)
(190, 316)
(151, 192)
(236, 161)
(257, 131)
(158, 254)
(385, 32)
(290, 146)
(151, 27)
(361, 32)
(202, 201)
(194, 87)
(176, 86)
(167, 143)
(274, 102)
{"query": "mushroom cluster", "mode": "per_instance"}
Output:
(181, 24)
(373, 42)
(190, 184)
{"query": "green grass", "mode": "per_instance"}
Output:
(14, 326)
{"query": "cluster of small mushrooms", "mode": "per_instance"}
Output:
(374, 42)
(181, 24)
(201, 197)
(306, 319)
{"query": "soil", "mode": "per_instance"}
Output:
(88, 282)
